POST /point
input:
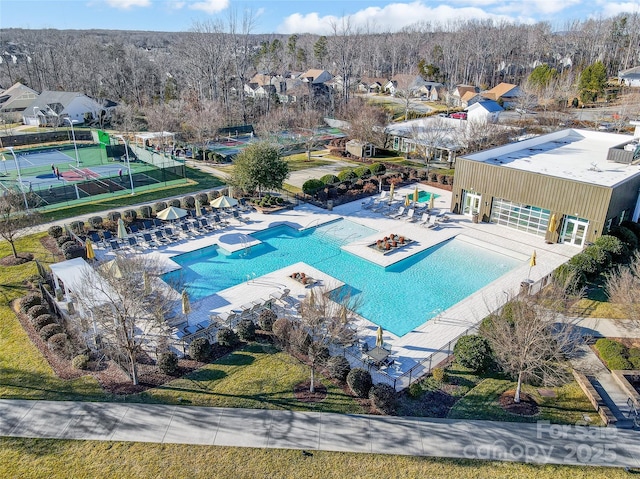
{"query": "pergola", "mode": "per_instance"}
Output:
(155, 137)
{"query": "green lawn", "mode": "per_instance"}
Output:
(53, 459)
(257, 376)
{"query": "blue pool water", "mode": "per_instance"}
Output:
(423, 196)
(399, 298)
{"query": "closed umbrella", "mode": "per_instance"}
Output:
(122, 230)
(171, 213)
(407, 202)
(415, 196)
(90, 253)
(198, 208)
(391, 191)
(224, 202)
(379, 340)
(186, 306)
(553, 223)
(532, 261)
(432, 201)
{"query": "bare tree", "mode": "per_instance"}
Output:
(623, 288)
(531, 339)
(323, 323)
(15, 220)
(128, 306)
(366, 122)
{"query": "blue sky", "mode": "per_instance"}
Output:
(294, 16)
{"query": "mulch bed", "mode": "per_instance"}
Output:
(49, 243)
(13, 261)
(303, 394)
(526, 407)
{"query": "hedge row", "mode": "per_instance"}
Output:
(616, 355)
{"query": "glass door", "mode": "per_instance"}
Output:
(471, 203)
(574, 231)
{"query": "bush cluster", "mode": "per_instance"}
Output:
(59, 344)
(203, 198)
(55, 231)
(311, 186)
(168, 362)
(29, 301)
(200, 349)
(439, 374)
(246, 330)
(159, 206)
(338, 367)
(613, 353)
(49, 330)
(62, 239)
(227, 337)
(81, 361)
(359, 381)
(473, 352)
(130, 215)
(37, 310)
(384, 398)
(77, 227)
(282, 329)
(188, 202)
(266, 319)
(415, 390)
(41, 321)
(96, 222)
(114, 215)
(329, 179)
(145, 211)
(175, 202)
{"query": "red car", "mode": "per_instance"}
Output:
(461, 115)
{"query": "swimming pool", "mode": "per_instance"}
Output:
(399, 297)
(423, 196)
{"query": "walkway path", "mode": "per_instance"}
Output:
(537, 443)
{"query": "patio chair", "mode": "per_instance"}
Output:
(184, 229)
(106, 236)
(236, 215)
(160, 237)
(220, 221)
(368, 204)
(147, 224)
(133, 244)
(410, 216)
(400, 213)
(114, 244)
(95, 239)
(204, 223)
(424, 220)
(157, 223)
(149, 241)
(433, 222)
(133, 229)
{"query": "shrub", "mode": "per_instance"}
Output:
(49, 330)
(633, 227)
(81, 361)
(130, 215)
(200, 349)
(362, 171)
(377, 168)
(415, 390)
(77, 227)
(608, 348)
(246, 330)
(611, 245)
(188, 202)
(59, 344)
(359, 381)
(213, 194)
(635, 361)
(633, 353)
(114, 215)
(227, 337)
(473, 352)
(347, 174)
(159, 206)
(626, 236)
(282, 330)
(55, 231)
(41, 321)
(384, 398)
(329, 179)
(37, 310)
(600, 257)
(433, 177)
(73, 250)
(266, 320)
(202, 198)
(168, 362)
(338, 367)
(96, 222)
(583, 265)
(311, 186)
(62, 239)
(29, 301)
(175, 202)
(439, 374)
(145, 211)
(618, 363)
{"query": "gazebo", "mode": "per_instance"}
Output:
(157, 138)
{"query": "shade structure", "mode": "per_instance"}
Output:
(89, 247)
(532, 261)
(553, 223)
(186, 305)
(432, 201)
(122, 230)
(224, 202)
(171, 213)
(198, 208)
(379, 340)
(391, 191)
(111, 269)
(415, 195)
(407, 201)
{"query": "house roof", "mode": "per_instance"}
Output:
(58, 101)
(488, 105)
(314, 73)
(17, 97)
(579, 155)
(499, 90)
(631, 73)
(468, 96)
(463, 89)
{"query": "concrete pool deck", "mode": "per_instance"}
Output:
(434, 336)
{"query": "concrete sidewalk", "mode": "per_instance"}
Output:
(535, 443)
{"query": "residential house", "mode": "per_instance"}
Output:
(51, 107)
(505, 92)
(469, 98)
(460, 91)
(316, 76)
(431, 91)
(570, 186)
(15, 99)
(630, 77)
(486, 111)
(371, 85)
(406, 83)
(360, 149)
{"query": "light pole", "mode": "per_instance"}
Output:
(126, 152)
(15, 158)
(73, 134)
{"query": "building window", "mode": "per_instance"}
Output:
(607, 225)
(623, 216)
(396, 143)
(530, 219)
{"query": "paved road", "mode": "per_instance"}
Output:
(535, 443)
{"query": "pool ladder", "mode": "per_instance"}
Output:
(246, 246)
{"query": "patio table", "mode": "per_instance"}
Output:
(378, 354)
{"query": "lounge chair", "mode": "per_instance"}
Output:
(133, 229)
(149, 241)
(204, 224)
(236, 215)
(172, 235)
(398, 214)
(157, 223)
(433, 222)
(184, 227)
(133, 244)
(368, 204)
(424, 220)
(114, 245)
(161, 237)
(147, 224)
(410, 216)
(106, 236)
(95, 239)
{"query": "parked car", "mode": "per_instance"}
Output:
(461, 115)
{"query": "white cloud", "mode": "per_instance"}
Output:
(611, 9)
(127, 4)
(392, 17)
(210, 6)
(176, 4)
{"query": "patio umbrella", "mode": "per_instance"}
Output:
(432, 201)
(112, 269)
(407, 202)
(90, 253)
(186, 306)
(122, 230)
(391, 191)
(224, 202)
(553, 223)
(415, 196)
(171, 213)
(198, 208)
(379, 340)
(532, 262)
